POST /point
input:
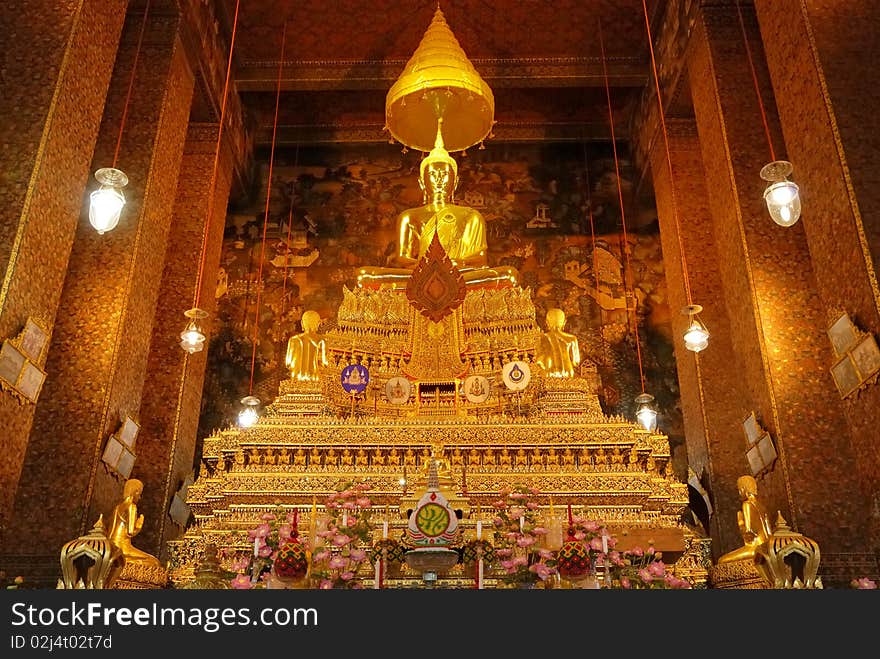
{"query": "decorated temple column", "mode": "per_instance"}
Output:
(776, 317)
(98, 354)
(830, 116)
(173, 390)
(52, 100)
(712, 392)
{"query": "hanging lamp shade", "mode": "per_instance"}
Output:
(439, 81)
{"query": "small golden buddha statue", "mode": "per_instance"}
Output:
(306, 351)
(558, 351)
(461, 230)
(347, 457)
(522, 460)
(568, 457)
(125, 523)
(753, 522)
(378, 457)
(393, 457)
(474, 457)
(361, 458)
(314, 457)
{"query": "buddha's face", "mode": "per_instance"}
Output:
(439, 178)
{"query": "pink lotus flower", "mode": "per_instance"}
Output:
(346, 494)
(351, 521)
(240, 564)
(326, 584)
(637, 551)
(864, 584)
(579, 535)
(503, 553)
(539, 530)
(525, 541)
(591, 526)
(516, 512)
(363, 487)
(615, 558)
(349, 505)
(657, 568)
(520, 560)
(542, 570)
(241, 582)
(341, 540)
(545, 554)
(332, 497)
(357, 555)
(337, 563)
(325, 534)
(625, 583)
(596, 544)
(262, 531)
(517, 495)
(284, 532)
(498, 521)
(364, 502)
(267, 517)
(499, 504)
(321, 555)
(508, 566)
(531, 505)
(347, 576)
(534, 490)
(645, 575)
(264, 552)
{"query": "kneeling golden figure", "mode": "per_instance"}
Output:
(461, 230)
(753, 522)
(125, 523)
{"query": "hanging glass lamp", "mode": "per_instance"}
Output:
(105, 203)
(782, 197)
(646, 414)
(249, 414)
(696, 336)
(192, 339)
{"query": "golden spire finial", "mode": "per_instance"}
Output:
(439, 153)
(439, 81)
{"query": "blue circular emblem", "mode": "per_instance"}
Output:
(355, 379)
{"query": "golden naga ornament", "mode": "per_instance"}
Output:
(439, 81)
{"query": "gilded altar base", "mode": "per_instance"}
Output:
(551, 436)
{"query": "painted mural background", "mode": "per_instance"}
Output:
(334, 209)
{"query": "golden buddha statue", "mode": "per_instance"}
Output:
(558, 351)
(125, 523)
(753, 522)
(306, 351)
(461, 230)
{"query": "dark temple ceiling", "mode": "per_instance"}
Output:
(542, 60)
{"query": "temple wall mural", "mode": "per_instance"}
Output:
(334, 209)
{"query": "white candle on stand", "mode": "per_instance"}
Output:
(479, 529)
(520, 523)
(480, 574)
(604, 544)
(377, 581)
(256, 546)
(344, 518)
(385, 530)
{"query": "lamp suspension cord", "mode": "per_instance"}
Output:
(589, 196)
(212, 187)
(742, 26)
(134, 65)
(266, 212)
(672, 195)
(627, 270)
(289, 227)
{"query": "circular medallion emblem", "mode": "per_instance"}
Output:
(355, 379)
(432, 519)
(476, 389)
(516, 375)
(397, 390)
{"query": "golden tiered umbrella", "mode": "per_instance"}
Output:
(439, 81)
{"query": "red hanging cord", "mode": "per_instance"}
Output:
(259, 281)
(137, 55)
(198, 292)
(684, 271)
(626, 265)
(289, 227)
(742, 26)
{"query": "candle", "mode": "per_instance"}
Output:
(344, 518)
(385, 530)
(480, 574)
(479, 529)
(520, 523)
(377, 581)
(604, 544)
(256, 546)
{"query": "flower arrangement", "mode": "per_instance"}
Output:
(518, 535)
(345, 537)
(585, 547)
(277, 551)
(639, 569)
(863, 584)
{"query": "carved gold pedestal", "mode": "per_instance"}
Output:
(136, 576)
(737, 575)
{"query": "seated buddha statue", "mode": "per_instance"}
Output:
(460, 229)
(558, 351)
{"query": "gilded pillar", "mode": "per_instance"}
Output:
(57, 64)
(98, 354)
(820, 57)
(777, 320)
(173, 391)
(709, 381)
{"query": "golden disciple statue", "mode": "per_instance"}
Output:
(306, 351)
(461, 230)
(753, 522)
(125, 523)
(558, 351)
